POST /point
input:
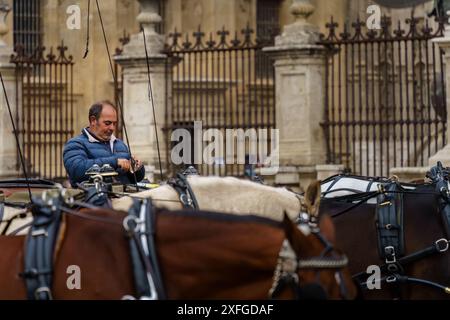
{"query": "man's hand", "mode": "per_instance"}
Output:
(137, 165)
(124, 164)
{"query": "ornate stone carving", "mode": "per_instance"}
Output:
(148, 18)
(300, 32)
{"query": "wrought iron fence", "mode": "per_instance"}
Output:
(44, 116)
(222, 82)
(385, 95)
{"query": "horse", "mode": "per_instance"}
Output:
(420, 268)
(223, 194)
(202, 255)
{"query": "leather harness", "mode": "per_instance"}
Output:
(390, 229)
(389, 222)
(40, 247)
(2, 210)
(184, 190)
(139, 225)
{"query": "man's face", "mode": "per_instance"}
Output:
(105, 126)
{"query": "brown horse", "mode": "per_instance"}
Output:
(357, 234)
(201, 256)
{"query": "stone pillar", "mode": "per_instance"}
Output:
(444, 43)
(300, 97)
(138, 113)
(8, 147)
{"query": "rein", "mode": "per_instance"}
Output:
(365, 197)
(8, 222)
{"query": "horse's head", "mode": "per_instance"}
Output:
(319, 271)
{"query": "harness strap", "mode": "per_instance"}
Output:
(389, 214)
(138, 260)
(333, 183)
(369, 185)
(150, 222)
(396, 279)
(139, 226)
(439, 246)
(39, 248)
(9, 221)
(444, 201)
(353, 206)
(187, 196)
(2, 211)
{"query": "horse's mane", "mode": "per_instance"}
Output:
(221, 216)
(112, 216)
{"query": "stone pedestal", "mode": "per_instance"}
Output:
(8, 146)
(444, 154)
(300, 97)
(138, 110)
(137, 101)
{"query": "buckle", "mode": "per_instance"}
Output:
(42, 290)
(390, 254)
(441, 245)
(131, 228)
(186, 200)
(392, 267)
(391, 279)
(39, 232)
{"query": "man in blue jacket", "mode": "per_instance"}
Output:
(98, 145)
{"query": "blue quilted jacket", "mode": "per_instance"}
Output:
(82, 152)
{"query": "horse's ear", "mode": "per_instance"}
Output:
(326, 226)
(312, 198)
(295, 237)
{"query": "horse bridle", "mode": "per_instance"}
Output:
(289, 265)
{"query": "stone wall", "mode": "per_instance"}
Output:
(93, 80)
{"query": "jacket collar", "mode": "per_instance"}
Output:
(93, 139)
